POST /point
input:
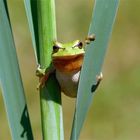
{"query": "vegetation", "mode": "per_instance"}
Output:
(115, 113)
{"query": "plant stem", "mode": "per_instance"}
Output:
(50, 97)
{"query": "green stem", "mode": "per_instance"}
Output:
(50, 97)
(47, 30)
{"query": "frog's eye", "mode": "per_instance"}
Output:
(55, 48)
(79, 45)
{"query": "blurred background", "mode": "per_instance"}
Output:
(115, 113)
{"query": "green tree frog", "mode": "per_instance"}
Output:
(67, 61)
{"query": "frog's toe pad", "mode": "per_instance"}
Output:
(99, 77)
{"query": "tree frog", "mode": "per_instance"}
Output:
(67, 61)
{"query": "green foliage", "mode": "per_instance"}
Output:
(12, 88)
(41, 17)
(50, 98)
(31, 10)
(101, 25)
(115, 111)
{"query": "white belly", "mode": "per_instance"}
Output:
(68, 82)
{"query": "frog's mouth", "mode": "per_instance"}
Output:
(68, 63)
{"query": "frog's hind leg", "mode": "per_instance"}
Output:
(99, 79)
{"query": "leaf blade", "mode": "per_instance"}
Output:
(101, 27)
(10, 80)
(31, 12)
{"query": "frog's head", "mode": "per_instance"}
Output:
(68, 57)
(68, 49)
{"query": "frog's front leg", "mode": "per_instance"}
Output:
(43, 75)
(89, 38)
(99, 78)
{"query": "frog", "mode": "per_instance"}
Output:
(67, 60)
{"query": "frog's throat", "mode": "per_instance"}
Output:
(68, 64)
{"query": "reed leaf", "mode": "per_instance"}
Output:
(11, 83)
(104, 14)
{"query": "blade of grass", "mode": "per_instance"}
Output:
(31, 11)
(50, 99)
(101, 25)
(11, 83)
